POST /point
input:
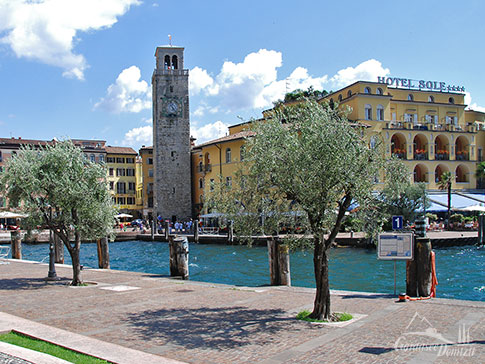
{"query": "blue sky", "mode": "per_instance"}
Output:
(82, 68)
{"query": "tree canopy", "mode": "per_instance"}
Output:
(62, 190)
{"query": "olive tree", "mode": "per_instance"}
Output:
(312, 157)
(60, 189)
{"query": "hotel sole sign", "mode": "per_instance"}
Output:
(420, 84)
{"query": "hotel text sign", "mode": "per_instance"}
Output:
(420, 84)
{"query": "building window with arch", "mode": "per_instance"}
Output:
(349, 93)
(228, 155)
(451, 100)
(379, 91)
(367, 90)
(340, 97)
(380, 112)
(201, 183)
(368, 112)
(92, 157)
(430, 98)
(410, 97)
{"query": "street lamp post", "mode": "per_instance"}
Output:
(52, 275)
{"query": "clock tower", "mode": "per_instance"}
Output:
(171, 135)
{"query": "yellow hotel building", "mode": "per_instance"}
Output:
(428, 128)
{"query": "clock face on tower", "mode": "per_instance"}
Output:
(172, 108)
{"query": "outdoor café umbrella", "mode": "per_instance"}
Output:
(478, 208)
(11, 215)
(121, 216)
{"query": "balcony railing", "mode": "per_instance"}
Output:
(442, 156)
(462, 156)
(399, 154)
(420, 155)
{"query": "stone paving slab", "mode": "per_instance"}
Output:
(197, 322)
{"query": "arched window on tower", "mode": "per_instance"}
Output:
(166, 62)
(175, 65)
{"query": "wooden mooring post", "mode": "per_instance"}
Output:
(279, 263)
(419, 270)
(166, 226)
(179, 256)
(103, 253)
(16, 244)
(481, 230)
(195, 226)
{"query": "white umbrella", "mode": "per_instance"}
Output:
(479, 208)
(11, 215)
(120, 216)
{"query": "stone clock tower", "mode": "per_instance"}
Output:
(171, 135)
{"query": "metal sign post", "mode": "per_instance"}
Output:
(395, 246)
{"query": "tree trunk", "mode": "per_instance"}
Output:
(76, 262)
(321, 307)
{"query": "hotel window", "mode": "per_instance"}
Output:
(228, 155)
(380, 112)
(368, 112)
(410, 97)
(121, 187)
(131, 186)
(130, 200)
(150, 201)
(430, 98)
(92, 157)
(120, 160)
(451, 100)
(121, 200)
(110, 159)
(120, 172)
(367, 90)
(111, 171)
(150, 160)
(130, 172)
(101, 158)
(150, 173)
(379, 91)
(111, 185)
(130, 160)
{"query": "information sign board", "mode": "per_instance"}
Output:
(397, 222)
(398, 246)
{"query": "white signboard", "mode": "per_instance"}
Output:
(395, 246)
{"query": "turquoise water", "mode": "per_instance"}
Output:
(460, 270)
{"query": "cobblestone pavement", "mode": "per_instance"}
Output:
(9, 359)
(208, 323)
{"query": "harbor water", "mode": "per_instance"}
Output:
(460, 270)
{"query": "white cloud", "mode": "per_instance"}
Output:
(472, 106)
(199, 79)
(365, 71)
(127, 94)
(138, 136)
(252, 83)
(209, 131)
(45, 30)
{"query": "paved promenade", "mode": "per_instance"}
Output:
(171, 320)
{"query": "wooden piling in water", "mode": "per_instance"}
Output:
(179, 256)
(16, 244)
(103, 253)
